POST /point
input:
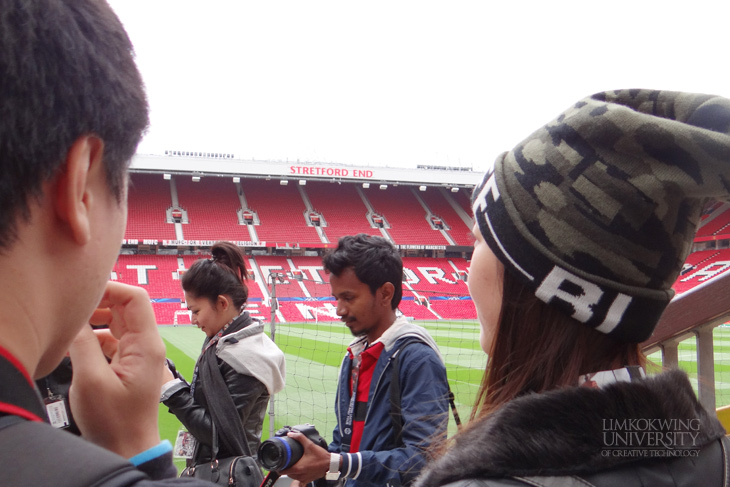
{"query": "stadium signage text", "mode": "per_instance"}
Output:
(339, 172)
(197, 243)
(137, 242)
(421, 247)
(208, 243)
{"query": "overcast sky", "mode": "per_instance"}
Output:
(403, 83)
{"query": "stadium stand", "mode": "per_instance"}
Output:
(710, 208)
(434, 276)
(697, 258)
(277, 264)
(439, 206)
(281, 213)
(705, 265)
(432, 286)
(463, 198)
(314, 278)
(413, 310)
(453, 307)
(171, 313)
(342, 208)
(153, 272)
(299, 300)
(432, 279)
(149, 199)
(407, 218)
(304, 300)
(211, 204)
(158, 275)
(717, 224)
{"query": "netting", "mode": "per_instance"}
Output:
(315, 345)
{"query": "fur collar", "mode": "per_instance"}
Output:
(561, 432)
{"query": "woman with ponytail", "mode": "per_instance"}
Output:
(239, 364)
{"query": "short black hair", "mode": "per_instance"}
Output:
(66, 70)
(374, 260)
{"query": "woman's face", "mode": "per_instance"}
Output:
(207, 316)
(485, 286)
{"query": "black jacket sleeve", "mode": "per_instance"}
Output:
(193, 413)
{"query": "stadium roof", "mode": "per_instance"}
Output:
(218, 164)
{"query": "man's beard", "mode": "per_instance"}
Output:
(360, 333)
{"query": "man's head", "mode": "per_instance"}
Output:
(72, 111)
(366, 276)
(66, 70)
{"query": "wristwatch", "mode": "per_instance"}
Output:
(334, 471)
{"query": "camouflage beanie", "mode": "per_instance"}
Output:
(597, 210)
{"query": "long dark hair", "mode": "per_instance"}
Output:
(224, 274)
(537, 348)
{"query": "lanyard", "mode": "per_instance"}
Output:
(350, 417)
(17, 394)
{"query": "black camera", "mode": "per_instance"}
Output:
(173, 369)
(281, 452)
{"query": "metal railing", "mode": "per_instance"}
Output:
(694, 313)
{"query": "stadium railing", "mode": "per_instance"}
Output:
(697, 313)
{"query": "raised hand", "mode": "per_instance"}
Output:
(115, 401)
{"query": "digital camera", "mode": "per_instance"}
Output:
(281, 452)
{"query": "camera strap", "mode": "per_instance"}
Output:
(351, 408)
(271, 479)
(206, 345)
(225, 419)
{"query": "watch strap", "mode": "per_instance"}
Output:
(334, 471)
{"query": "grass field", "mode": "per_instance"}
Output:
(688, 362)
(314, 352)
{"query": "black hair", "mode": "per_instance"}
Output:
(66, 70)
(222, 275)
(374, 260)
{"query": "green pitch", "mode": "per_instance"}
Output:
(688, 362)
(314, 352)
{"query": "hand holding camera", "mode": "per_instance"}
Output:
(173, 372)
(299, 452)
(281, 452)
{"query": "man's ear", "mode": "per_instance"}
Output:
(387, 290)
(73, 195)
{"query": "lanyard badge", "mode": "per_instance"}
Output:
(56, 410)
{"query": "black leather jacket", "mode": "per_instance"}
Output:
(249, 395)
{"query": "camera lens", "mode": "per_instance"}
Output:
(280, 453)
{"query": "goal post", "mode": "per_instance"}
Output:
(181, 313)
